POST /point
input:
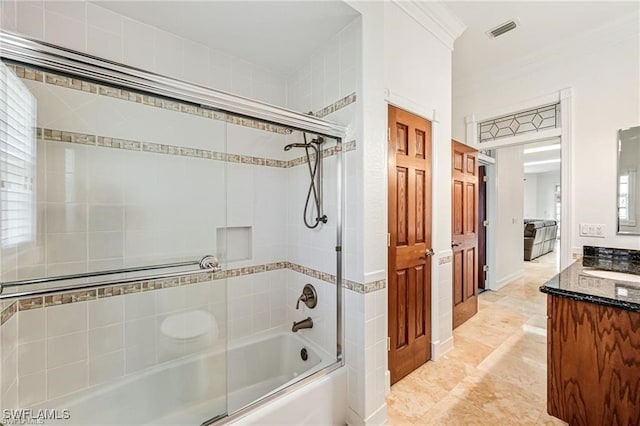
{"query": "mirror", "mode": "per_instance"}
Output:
(627, 181)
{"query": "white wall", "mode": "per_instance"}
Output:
(539, 194)
(530, 195)
(603, 69)
(509, 221)
(546, 205)
(418, 74)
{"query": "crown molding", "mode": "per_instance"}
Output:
(434, 17)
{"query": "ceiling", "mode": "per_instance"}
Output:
(547, 153)
(541, 25)
(278, 35)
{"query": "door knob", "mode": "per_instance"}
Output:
(454, 244)
(428, 252)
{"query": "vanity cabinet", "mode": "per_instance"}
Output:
(593, 362)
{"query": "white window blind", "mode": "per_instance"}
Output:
(17, 161)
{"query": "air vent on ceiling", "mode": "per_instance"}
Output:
(502, 28)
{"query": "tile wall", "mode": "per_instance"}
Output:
(123, 337)
(89, 28)
(255, 194)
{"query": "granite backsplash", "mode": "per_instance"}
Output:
(612, 259)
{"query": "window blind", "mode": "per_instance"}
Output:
(17, 161)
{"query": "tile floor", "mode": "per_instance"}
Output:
(496, 374)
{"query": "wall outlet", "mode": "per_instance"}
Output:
(592, 230)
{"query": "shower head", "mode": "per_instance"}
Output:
(296, 145)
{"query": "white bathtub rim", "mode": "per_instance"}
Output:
(277, 394)
(78, 397)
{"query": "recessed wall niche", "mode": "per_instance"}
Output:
(234, 243)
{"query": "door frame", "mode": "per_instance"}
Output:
(565, 132)
(490, 169)
(438, 346)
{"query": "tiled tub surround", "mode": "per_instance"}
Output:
(31, 74)
(130, 207)
(102, 335)
(59, 345)
(250, 285)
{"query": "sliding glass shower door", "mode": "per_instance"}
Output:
(113, 231)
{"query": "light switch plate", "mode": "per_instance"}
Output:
(592, 230)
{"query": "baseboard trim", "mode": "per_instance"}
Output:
(440, 348)
(506, 280)
(387, 383)
(378, 417)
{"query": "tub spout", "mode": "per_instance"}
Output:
(305, 323)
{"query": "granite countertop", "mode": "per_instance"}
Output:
(575, 283)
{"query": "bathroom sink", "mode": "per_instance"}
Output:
(610, 275)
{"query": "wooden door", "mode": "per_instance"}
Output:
(410, 250)
(464, 205)
(482, 230)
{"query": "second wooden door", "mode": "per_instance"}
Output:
(464, 206)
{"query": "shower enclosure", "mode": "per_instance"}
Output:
(156, 237)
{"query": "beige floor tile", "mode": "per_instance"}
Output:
(496, 373)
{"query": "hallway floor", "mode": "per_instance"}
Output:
(496, 374)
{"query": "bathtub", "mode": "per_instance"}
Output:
(193, 389)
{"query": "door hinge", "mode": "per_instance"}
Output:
(485, 268)
(388, 134)
(485, 223)
(485, 179)
(388, 239)
(388, 343)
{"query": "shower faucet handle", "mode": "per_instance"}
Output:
(308, 296)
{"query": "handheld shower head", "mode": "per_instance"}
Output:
(296, 145)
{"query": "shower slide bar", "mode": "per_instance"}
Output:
(206, 264)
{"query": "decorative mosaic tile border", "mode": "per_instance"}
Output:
(8, 312)
(158, 102)
(156, 148)
(38, 302)
(341, 103)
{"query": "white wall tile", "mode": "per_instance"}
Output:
(104, 19)
(106, 218)
(30, 18)
(107, 311)
(63, 31)
(66, 379)
(31, 357)
(66, 349)
(32, 389)
(169, 50)
(196, 64)
(105, 245)
(105, 339)
(66, 319)
(10, 396)
(9, 369)
(70, 9)
(106, 367)
(104, 44)
(140, 357)
(139, 305)
(8, 12)
(66, 217)
(31, 325)
(140, 332)
(139, 43)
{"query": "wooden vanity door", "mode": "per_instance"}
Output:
(409, 267)
(464, 206)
